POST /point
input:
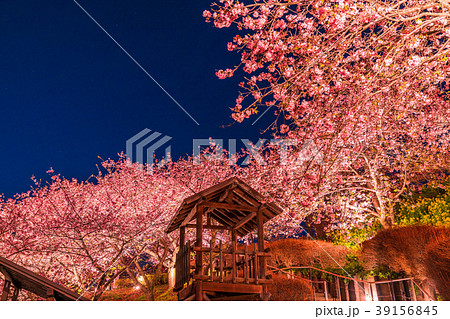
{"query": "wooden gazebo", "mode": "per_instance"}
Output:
(18, 277)
(224, 270)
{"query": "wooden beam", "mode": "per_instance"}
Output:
(205, 297)
(232, 288)
(247, 208)
(190, 215)
(242, 195)
(228, 191)
(191, 298)
(209, 227)
(229, 251)
(243, 221)
(186, 292)
(229, 280)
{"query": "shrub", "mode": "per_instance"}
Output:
(305, 252)
(420, 251)
(124, 283)
(402, 248)
(284, 289)
(163, 279)
(437, 264)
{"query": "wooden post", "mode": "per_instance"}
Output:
(401, 287)
(50, 294)
(374, 292)
(413, 290)
(338, 289)
(182, 235)
(358, 290)
(6, 288)
(199, 254)
(220, 262)
(15, 294)
(211, 266)
(260, 223)
(391, 291)
(187, 271)
(245, 264)
(325, 289)
(347, 293)
(208, 219)
(199, 291)
(255, 263)
(233, 255)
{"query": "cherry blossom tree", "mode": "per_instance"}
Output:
(85, 234)
(364, 80)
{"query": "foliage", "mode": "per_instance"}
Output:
(285, 289)
(430, 206)
(353, 265)
(354, 237)
(385, 272)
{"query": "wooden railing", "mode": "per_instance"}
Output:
(232, 265)
(182, 266)
(332, 288)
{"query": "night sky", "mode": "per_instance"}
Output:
(69, 94)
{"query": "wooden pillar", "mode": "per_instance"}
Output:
(5, 292)
(260, 223)
(208, 219)
(199, 254)
(211, 261)
(15, 294)
(199, 291)
(182, 236)
(245, 265)
(233, 255)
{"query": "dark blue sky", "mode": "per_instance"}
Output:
(68, 94)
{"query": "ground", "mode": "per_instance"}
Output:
(163, 293)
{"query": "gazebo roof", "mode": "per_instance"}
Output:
(231, 203)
